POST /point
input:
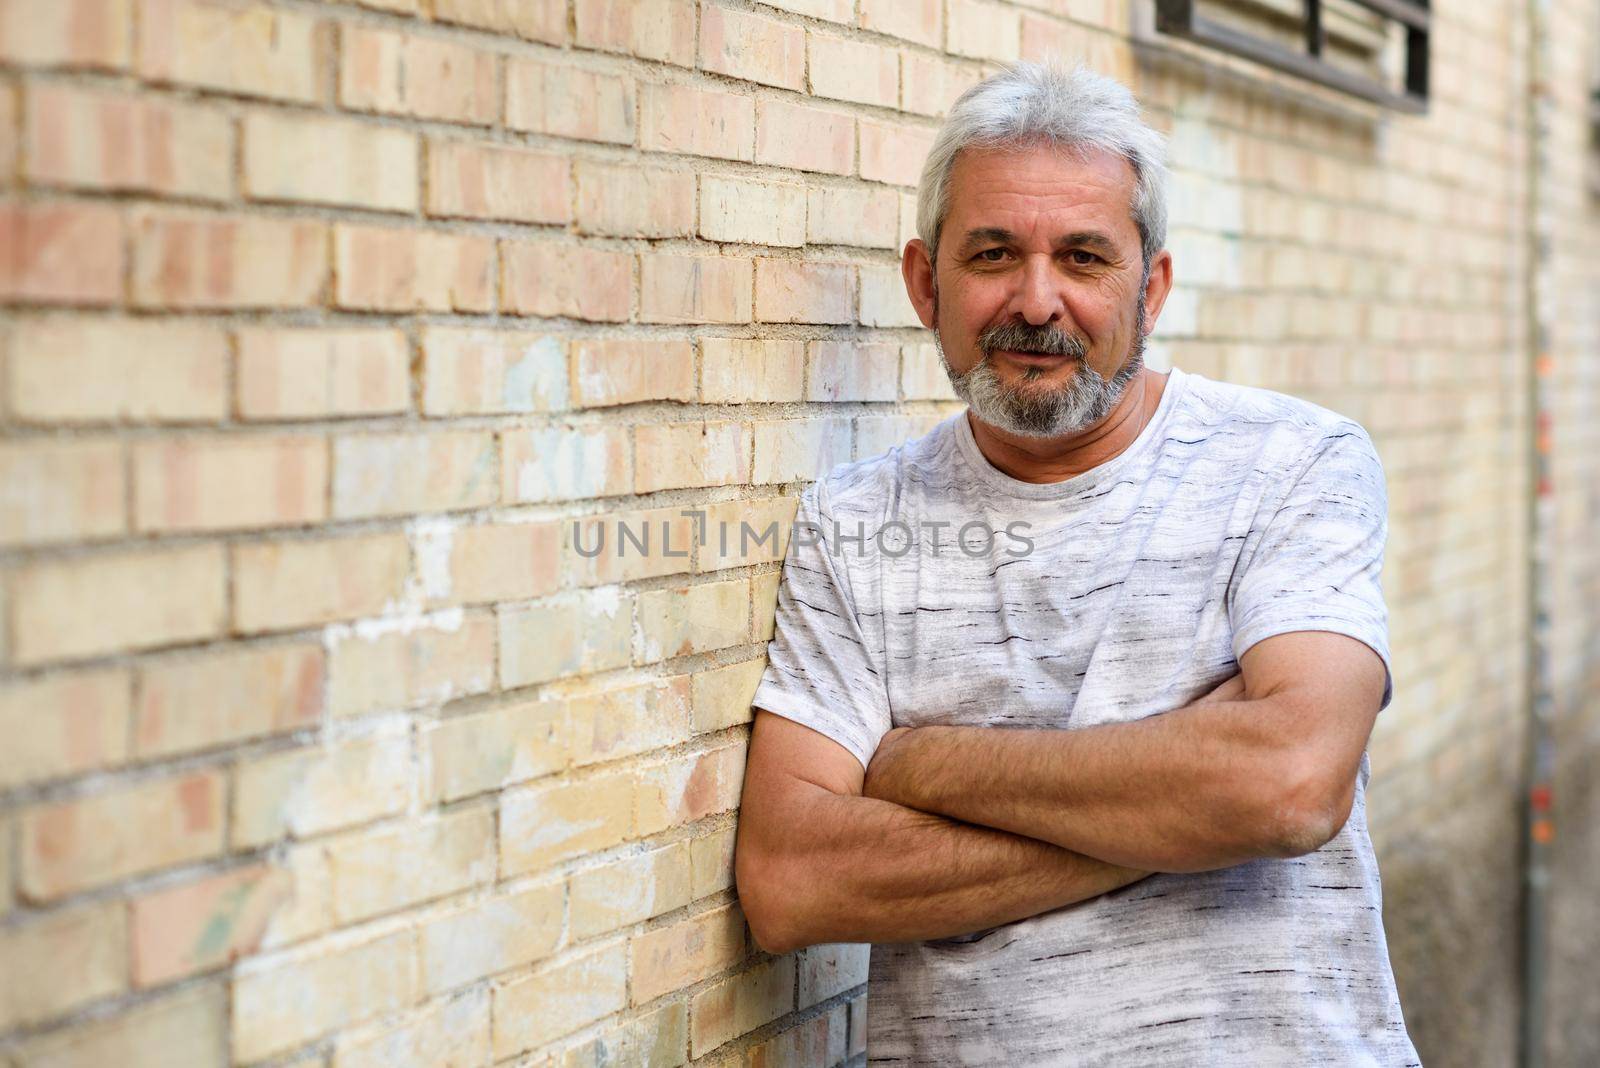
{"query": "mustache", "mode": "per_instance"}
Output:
(1025, 337)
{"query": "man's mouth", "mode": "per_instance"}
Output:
(1043, 359)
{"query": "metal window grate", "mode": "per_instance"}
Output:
(1182, 18)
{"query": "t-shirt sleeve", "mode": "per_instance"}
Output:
(821, 671)
(1316, 559)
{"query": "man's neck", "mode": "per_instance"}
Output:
(1045, 460)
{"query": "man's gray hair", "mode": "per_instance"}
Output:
(1074, 109)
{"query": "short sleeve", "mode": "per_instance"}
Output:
(1314, 562)
(820, 670)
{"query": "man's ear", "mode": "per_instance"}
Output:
(917, 269)
(1157, 288)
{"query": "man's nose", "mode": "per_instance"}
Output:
(1038, 298)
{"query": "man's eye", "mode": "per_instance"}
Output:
(991, 255)
(1084, 252)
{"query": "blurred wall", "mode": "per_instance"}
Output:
(321, 743)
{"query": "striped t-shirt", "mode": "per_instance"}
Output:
(933, 588)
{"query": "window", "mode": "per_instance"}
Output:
(1373, 49)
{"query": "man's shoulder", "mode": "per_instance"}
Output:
(1272, 420)
(873, 484)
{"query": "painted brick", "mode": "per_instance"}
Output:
(422, 77)
(740, 1003)
(565, 463)
(828, 970)
(329, 161)
(533, 1010)
(752, 212)
(503, 562)
(320, 373)
(502, 747)
(650, 29)
(543, 825)
(629, 891)
(930, 84)
(798, 291)
(735, 371)
(204, 923)
(376, 872)
(549, 279)
(286, 584)
(670, 958)
(61, 253)
(922, 373)
(188, 1027)
(694, 289)
(73, 33)
(893, 152)
(567, 101)
(306, 908)
(61, 960)
(193, 703)
(858, 71)
(91, 139)
(308, 791)
(76, 845)
(985, 30)
(883, 299)
(431, 662)
(858, 1025)
(383, 269)
(921, 21)
(62, 490)
(851, 371)
(116, 602)
(568, 634)
(63, 725)
(623, 722)
(684, 620)
(680, 455)
(688, 788)
(740, 533)
(544, 22)
(791, 449)
(216, 261)
(402, 474)
(445, 1033)
(610, 371)
(469, 371)
(628, 546)
(805, 138)
(228, 483)
(627, 200)
(722, 696)
(711, 863)
(489, 937)
(494, 182)
(655, 1038)
(248, 51)
(698, 122)
(752, 47)
(852, 215)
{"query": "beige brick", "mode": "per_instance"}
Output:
(858, 71)
(629, 891)
(649, 29)
(377, 872)
(216, 261)
(192, 703)
(311, 374)
(228, 483)
(61, 490)
(829, 970)
(329, 161)
(401, 474)
(735, 371)
(921, 21)
(63, 725)
(384, 269)
(752, 212)
(549, 279)
(111, 603)
(205, 923)
(930, 84)
(541, 826)
(985, 30)
(61, 253)
(494, 182)
(563, 100)
(502, 747)
(633, 719)
(471, 371)
(61, 960)
(688, 788)
(76, 845)
(740, 1003)
(764, 602)
(569, 634)
(72, 33)
(791, 449)
(443, 1034)
(698, 122)
(290, 1002)
(893, 152)
(680, 455)
(235, 50)
(711, 863)
(740, 533)
(883, 299)
(308, 791)
(10, 134)
(656, 1038)
(610, 371)
(819, 1040)
(80, 371)
(565, 463)
(446, 657)
(670, 958)
(805, 138)
(628, 200)
(628, 546)
(876, 434)
(795, 291)
(485, 938)
(848, 371)
(684, 620)
(532, 1010)
(752, 47)
(830, 10)
(188, 1027)
(852, 215)
(922, 373)
(545, 21)
(494, 562)
(282, 585)
(694, 289)
(306, 909)
(422, 77)
(90, 139)
(722, 695)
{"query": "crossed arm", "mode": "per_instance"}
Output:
(953, 829)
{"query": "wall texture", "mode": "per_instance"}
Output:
(331, 331)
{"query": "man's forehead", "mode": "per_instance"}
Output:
(1088, 194)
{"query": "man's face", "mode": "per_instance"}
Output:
(1038, 296)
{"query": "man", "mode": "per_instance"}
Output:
(1068, 703)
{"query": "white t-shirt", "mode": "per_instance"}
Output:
(1125, 591)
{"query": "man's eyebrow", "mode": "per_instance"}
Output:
(1079, 239)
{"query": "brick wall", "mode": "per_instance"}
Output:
(333, 331)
